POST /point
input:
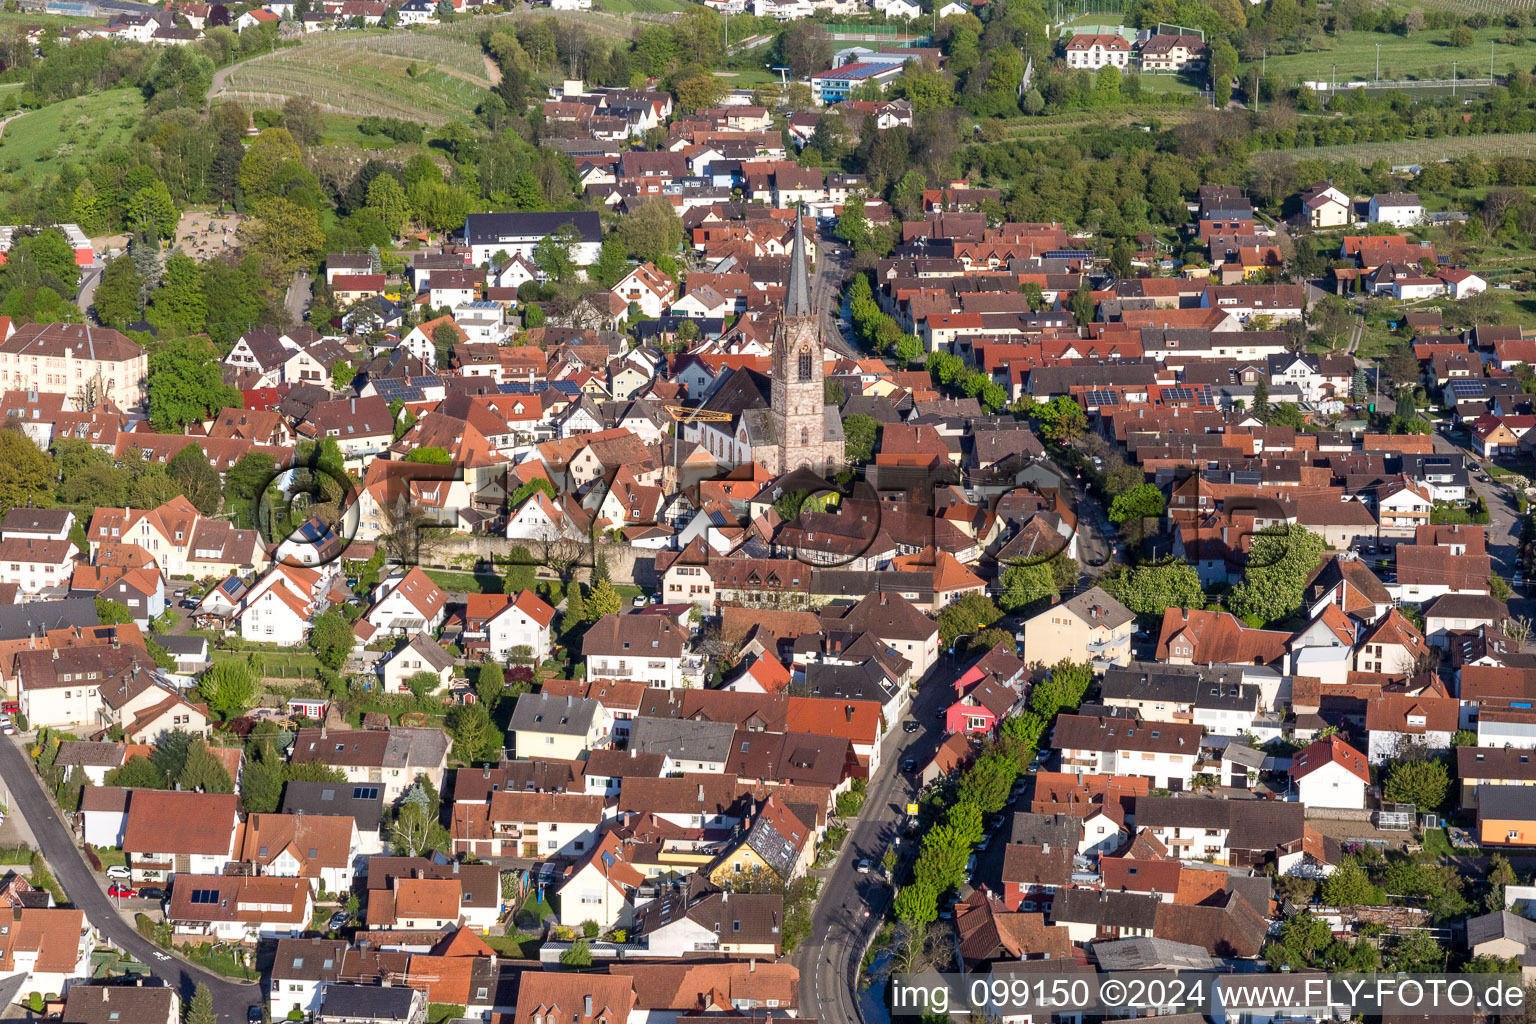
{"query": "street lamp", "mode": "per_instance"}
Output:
(1378, 62)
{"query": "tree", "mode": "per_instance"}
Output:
(1280, 561)
(180, 303)
(653, 232)
(1024, 583)
(304, 120)
(331, 639)
(555, 254)
(612, 261)
(26, 471)
(1421, 783)
(264, 157)
(284, 236)
(416, 831)
(186, 384)
(575, 608)
(388, 200)
(1261, 399)
(422, 684)
(474, 735)
(522, 573)
(1061, 419)
(139, 773)
(197, 478)
(603, 600)
(229, 687)
(201, 1011)
(1144, 501)
(1349, 886)
(1149, 588)
(179, 77)
(1462, 37)
(860, 433)
(152, 212)
(917, 904)
(579, 955)
(342, 375)
(170, 754)
(112, 613)
(116, 300)
(1083, 305)
(489, 685)
(203, 772)
(972, 612)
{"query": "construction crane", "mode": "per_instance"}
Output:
(683, 416)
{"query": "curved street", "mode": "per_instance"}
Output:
(86, 892)
(840, 929)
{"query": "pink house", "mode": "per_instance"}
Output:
(986, 691)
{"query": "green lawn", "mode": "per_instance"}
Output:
(342, 130)
(638, 6)
(35, 144)
(1425, 54)
(470, 583)
(525, 947)
(277, 664)
(111, 857)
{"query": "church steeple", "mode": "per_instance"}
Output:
(797, 296)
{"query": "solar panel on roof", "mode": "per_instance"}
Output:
(1068, 254)
(1179, 394)
(1103, 397)
(425, 382)
(1467, 389)
(205, 895)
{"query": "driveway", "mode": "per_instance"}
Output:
(89, 279)
(840, 929)
(84, 889)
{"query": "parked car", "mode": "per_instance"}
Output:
(910, 726)
(340, 919)
(118, 871)
(153, 892)
(1096, 562)
(123, 891)
(909, 765)
(254, 1014)
(639, 601)
(862, 867)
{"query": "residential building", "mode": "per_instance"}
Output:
(1091, 626)
(389, 758)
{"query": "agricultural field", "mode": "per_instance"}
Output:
(1418, 151)
(33, 145)
(419, 76)
(1425, 54)
(638, 6)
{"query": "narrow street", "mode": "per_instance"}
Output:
(840, 929)
(86, 892)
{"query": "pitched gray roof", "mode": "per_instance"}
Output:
(565, 716)
(683, 738)
(1094, 605)
(1501, 925)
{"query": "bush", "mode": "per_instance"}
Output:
(590, 929)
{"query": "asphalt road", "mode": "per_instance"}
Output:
(297, 298)
(840, 927)
(89, 279)
(87, 893)
(1503, 530)
(827, 291)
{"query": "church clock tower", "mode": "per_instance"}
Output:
(807, 431)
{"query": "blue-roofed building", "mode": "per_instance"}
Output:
(838, 84)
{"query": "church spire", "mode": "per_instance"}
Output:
(797, 297)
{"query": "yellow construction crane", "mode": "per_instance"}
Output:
(682, 414)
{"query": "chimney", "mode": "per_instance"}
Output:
(455, 867)
(486, 772)
(586, 1004)
(353, 403)
(633, 753)
(848, 712)
(701, 792)
(725, 895)
(752, 966)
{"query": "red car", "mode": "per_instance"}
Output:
(127, 892)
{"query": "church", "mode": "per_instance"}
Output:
(781, 420)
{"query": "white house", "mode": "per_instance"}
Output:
(1400, 209)
(648, 288)
(535, 825)
(240, 908)
(520, 233)
(50, 946)
(645, 648)
(1330, 773)
(420, 654)
(601, 886)
(1091, 51)
(321, 847)
(103, 815)
(301, 970)
(37, 565)
(1460, 283)
(523, 622)
(407, 603)
(174, 832)
(1326, 206)
(1164, 752)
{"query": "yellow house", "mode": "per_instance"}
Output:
(1506, 816)
(1090, 627)
(777, 846)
